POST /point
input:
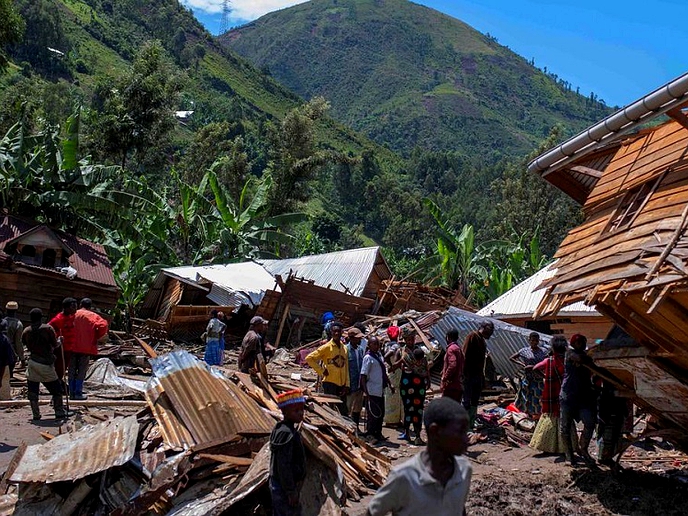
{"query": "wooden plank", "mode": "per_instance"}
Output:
(12, 466)
(148, 349)
(283, 319)
(78, 403)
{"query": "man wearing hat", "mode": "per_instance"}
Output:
(252, 344)
(354, 400)
(288, 456)
(15, 329)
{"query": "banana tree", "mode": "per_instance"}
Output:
(457, 260)
(240, 229)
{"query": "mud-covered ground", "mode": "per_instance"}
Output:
(510, 481)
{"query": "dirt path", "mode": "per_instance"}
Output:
(511, 481)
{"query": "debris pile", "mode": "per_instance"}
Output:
(199, 447)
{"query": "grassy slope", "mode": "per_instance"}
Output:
(408, 75)
(106, 42)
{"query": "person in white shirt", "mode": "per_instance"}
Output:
(373, 381)
(436, 481)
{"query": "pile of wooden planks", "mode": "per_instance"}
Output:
(199, 447)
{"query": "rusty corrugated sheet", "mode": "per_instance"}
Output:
(195, 406)
(506, 340)
(76, 455)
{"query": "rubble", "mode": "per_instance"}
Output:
(200, 446)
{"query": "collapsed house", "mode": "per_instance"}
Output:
(285, 292)
(40, 266)
(518, 305)
(629, 258)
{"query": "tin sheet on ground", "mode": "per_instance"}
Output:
(76, 455)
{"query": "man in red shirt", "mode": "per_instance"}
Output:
(63, 324)
(451, 383)
(89, 328)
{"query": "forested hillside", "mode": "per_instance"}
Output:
(407, 75)
(127, 123)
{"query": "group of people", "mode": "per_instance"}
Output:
(64, 345)
(559, 388)
(355, 369)
(435, 481)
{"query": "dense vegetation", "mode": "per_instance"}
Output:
(92, 145)
(408, 76)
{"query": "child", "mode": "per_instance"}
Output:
(288, 459)
(436, 481)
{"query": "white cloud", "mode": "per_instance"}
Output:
(242, 9)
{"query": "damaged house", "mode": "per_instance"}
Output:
(40, 266)
(518, 305)
(629, 258)
(286, 292)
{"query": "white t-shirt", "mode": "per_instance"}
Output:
(372, 369)
(410, 490)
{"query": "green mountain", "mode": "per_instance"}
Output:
(69, 46)
(407, 75)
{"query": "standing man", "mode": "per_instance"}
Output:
(252, 345)
(436, 481)
(354, 400)
(63, 324)
(331, 361)
(41, 342)
(451, 383)
(288, 456)
(474, 351)
(15, 328)
(89, 328)
(373, 382)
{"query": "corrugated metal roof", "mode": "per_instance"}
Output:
(524, 298)
(506, 340)
(78, 454)
(89, 259)
(199, 405)
(348, 270)
(234, 284)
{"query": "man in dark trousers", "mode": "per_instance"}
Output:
(41, 342)
(288, 456)
(475, 351)
(373, 382)
(15, 328)
(451, 383)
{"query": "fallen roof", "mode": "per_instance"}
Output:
(347, 271)
(233, 284)
(78, 454)
(196, 407)
(523, 299)
(506, 340)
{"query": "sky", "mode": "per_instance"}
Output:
(620, 50)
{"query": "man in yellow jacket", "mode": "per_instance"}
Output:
(331, 361)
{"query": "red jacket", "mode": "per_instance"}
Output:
(64, 327)
(89, 327)
(452, 371)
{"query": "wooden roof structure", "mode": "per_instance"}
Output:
(629, 258)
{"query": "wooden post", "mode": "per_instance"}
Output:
(281, 326)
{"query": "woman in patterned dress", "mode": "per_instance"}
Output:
(415, 380)
(547, 437)
(532, 383)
